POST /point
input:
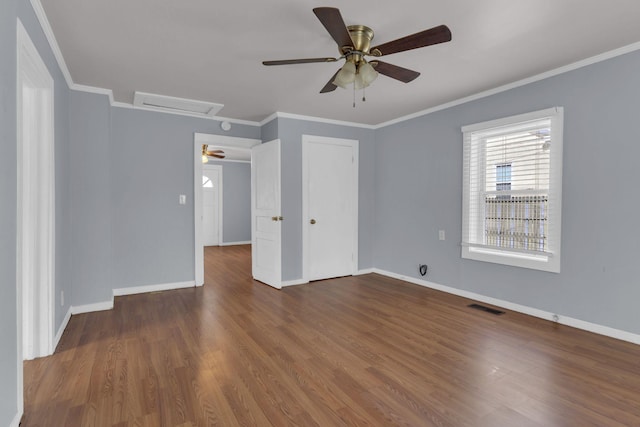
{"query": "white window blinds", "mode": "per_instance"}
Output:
(511, 190)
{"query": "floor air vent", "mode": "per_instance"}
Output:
(487, 309)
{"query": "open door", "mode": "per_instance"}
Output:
(266, 218)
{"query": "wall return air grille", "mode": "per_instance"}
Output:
(171, 104)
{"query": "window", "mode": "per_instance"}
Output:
(512, 190)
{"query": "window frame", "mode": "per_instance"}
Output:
(550, 260)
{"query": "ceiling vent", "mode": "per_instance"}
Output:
(171, 104)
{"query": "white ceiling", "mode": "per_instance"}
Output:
(212, 50)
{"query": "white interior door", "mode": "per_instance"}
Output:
(266, 257)
(211, 205)
(330, 206)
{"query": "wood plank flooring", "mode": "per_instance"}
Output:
(355, 351)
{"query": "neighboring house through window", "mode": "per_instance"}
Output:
(503, 177)
(512, 190)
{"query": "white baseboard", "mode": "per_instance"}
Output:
(108, 305)
(364, 271)
(235, 243)
(63, 326)
(153, 288)
(88, 308)
(16, 420)
(294, 282)
(564, 320)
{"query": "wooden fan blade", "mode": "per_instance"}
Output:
(435, 35)
(215, 151)
(219, 156)
(298, 61)
(330, 87)
(403, 74)
(332, 20)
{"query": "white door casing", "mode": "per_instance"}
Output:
(266, 219)
(212, 205)
(330, 207)
(220, 141)
(35, 237)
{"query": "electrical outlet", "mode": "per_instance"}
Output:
(61, 298)
(182, 199)
(441, 234)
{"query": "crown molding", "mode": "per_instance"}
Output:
(92, 89)
(57, 53)
(268, 119)
(283, 115)
(46, 27)
(119, 104)
(53, 43)
(547, 74)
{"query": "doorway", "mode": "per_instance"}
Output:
(35, 269)
(330, 207)
(221, 141)
(211, 205)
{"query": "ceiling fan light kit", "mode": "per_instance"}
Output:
(354, 44)
(346, 75)
(366, 75)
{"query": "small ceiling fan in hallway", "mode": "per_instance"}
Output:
(219, 154)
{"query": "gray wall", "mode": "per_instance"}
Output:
(90, 197)
(236, 201)
(8, 183)
(152, 235)
(290, 133)
(9, 11)
(419, 185)
(269, 131)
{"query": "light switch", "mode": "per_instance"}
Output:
(441, 234)
(183, 199)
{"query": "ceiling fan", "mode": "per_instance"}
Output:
(219, 154)
(354, 44)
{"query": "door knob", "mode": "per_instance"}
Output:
(313, 221)
(280, 218)
(274, 218)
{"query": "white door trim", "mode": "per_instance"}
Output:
(36, 204)
(218, 169)
(354, 144)
(198, 140)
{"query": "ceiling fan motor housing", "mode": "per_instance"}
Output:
(361, 36)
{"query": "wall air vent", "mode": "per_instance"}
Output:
(170, 104)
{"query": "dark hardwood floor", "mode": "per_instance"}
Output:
(365, 350)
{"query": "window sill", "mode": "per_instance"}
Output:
(514, 259)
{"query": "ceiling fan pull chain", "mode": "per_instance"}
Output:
(354, 94)
(363, 95)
